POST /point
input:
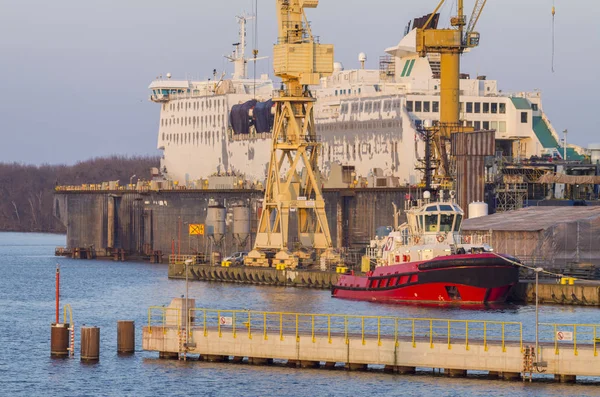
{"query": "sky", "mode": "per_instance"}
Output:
(75, 73)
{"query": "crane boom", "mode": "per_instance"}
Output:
(470, 37)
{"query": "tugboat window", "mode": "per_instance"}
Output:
(458, 222)
(431, 223)
(446, 222)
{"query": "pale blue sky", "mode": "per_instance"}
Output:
(74, 73)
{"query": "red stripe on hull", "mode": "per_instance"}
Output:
(430, 293)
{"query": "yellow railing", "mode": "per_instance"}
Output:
(569, 336)
(370, 329)
(165, 317)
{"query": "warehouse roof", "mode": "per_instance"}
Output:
(531, 218)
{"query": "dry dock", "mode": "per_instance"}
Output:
(399, 345)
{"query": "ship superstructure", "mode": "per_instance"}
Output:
(369, 121)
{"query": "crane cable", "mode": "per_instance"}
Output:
(553, 12)
(255, 43)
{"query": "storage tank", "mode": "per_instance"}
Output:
(215, 222)
(241, 223)
(595, 149)
(477, 209)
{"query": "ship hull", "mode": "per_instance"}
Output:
(459, 279)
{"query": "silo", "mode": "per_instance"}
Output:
(215, 222)
(241, 223)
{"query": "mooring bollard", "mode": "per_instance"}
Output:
(59, 340)
(90, 343)
(125, 337)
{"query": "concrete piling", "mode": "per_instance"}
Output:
(125, 337)
(59, 340)
(90, 343)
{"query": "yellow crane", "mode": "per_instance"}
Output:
(299, 60)
(450, 44)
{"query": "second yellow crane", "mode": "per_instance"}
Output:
(450, 44)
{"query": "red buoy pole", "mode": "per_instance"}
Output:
(57, 290)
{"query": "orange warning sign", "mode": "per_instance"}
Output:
(196, 229)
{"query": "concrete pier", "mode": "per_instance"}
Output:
(400, 345)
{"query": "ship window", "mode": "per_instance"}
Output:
(446, 207)
(361, 107)
(523, 117)
(446, 222)
(409, 106)
(336, 92)
(417, 106)
(387, 106)
(477, 107)
(486, 107)
(396, 103)
(431, 223)
(486, 125)
(494, 125)
(431, 208)
(494, 107)
(502, 126)
(435, 106)
(503, 108)
(376, 106)
(534, 107)
(426, 106)
(469, 107)
(355, 107)
(477, 125)
(368, 107)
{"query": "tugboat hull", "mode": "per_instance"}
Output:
(459, 279)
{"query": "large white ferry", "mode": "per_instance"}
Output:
(368, 120)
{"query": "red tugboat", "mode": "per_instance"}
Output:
(426, 260)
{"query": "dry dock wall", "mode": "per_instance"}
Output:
(143, 222)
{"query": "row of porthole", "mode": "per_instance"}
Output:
(358, 125)
(195, 105)
(192, 137)
(210, 119)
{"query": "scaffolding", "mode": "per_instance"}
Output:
(387, 68)
(511, 196)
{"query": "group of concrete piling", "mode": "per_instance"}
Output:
(62, 340)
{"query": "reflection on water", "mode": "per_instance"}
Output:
(102, 292)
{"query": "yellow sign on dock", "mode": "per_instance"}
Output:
(196, 229)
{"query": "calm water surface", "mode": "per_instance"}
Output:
(102, 292)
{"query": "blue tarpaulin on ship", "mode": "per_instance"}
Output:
(239, 117)
(262, 116)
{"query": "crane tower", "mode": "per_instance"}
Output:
(293, 181)
(450, 44)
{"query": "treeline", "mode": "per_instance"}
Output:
(26, 191)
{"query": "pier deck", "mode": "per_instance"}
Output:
(399, 344)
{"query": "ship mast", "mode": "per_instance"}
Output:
(238, 57)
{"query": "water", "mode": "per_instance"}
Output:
(102, 292)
